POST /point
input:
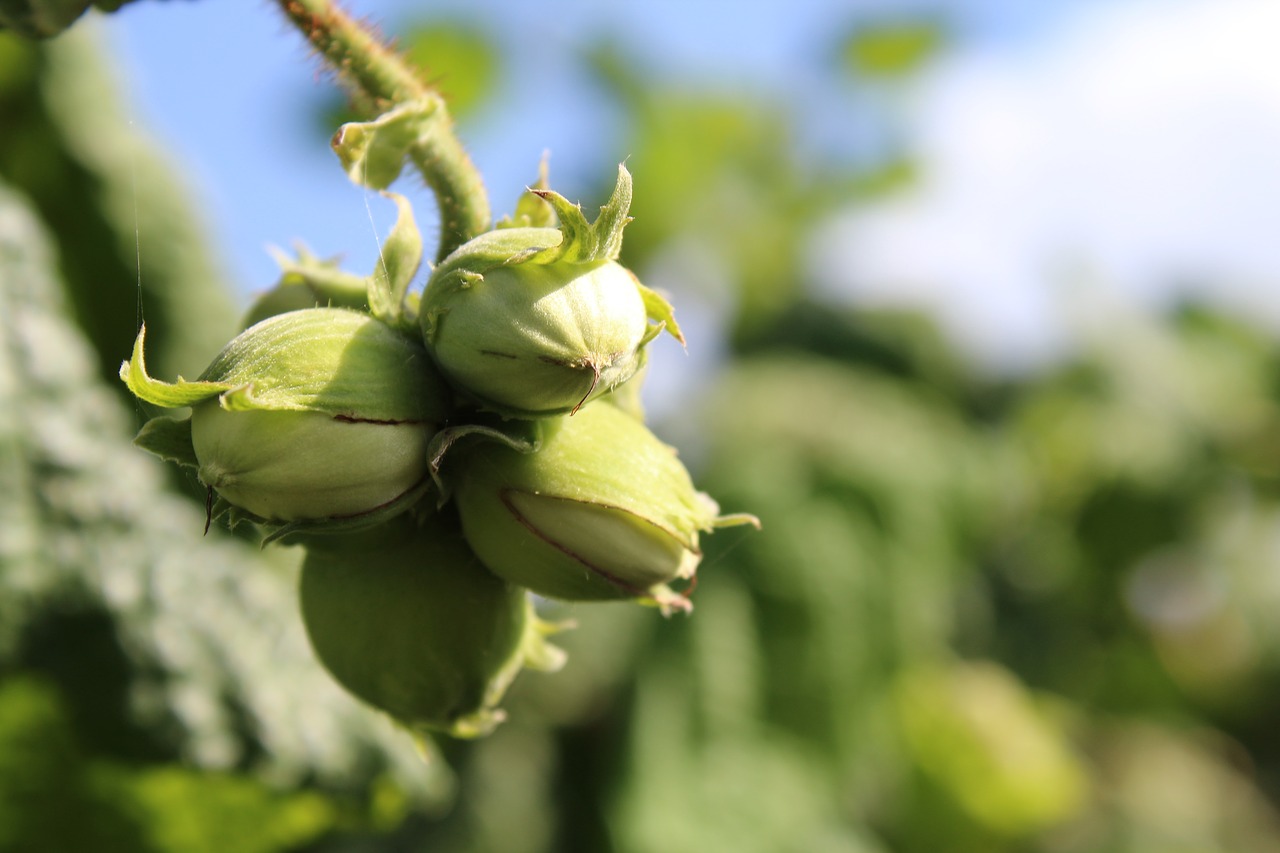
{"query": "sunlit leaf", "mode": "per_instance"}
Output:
(893, 48)
(460, 59)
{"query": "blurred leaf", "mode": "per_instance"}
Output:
(201, 634)
(52, 798)
(45, 801)
(457, 58)
(1138, 543)
(184, 811)
(45, 18)
(40, 18)
(1165, 788)
(106, 194)
(460, 59)
(893, 48)
(742, 788)
(904, 345)
(980, 736)
(716, 175)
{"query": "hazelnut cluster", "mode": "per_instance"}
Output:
(443, 454)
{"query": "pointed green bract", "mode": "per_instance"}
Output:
(168, 395)
(660, 310)
(398, 263)
(531, 209)
(308, 282)
(597, 241)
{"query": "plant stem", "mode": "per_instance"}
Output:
(363, 61)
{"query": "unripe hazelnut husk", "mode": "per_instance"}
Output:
(407, 619)
(320, 415)
(601, 510)
(533, 322)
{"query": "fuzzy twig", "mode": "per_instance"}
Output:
(367, 64)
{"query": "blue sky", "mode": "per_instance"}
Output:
(1130, 139)
(228, 85)
(243, 125)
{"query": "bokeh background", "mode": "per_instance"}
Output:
(982, 301)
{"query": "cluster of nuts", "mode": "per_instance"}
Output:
(441, 455)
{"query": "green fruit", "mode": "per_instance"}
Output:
(601, 510)
(306, 417)
(533, 322)
(540, 339)
(289, 466)
(412, 623)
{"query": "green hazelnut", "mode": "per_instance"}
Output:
(601, 510)
(314, 415)
(407, 619)
(287, 466)
(540, 339)
(533, 322)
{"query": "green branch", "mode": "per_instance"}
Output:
(365, 63)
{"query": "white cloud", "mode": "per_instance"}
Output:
(1139, 143)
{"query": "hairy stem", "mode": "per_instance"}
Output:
(363, 61)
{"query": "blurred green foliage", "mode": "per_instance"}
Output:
(45, 18)
(983, 615)
(460, 59)
(98, 184)
(717, 175)
(52, 797)
(893, 48)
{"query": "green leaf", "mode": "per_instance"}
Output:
(201, 812)
(1019, 773)
(373, 152)
(205, 647)
(893, 48)
(660, 311)
(461, 61)
(169, 439)
(398, 263)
